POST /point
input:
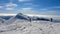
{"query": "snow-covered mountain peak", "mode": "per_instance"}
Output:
(22, 16)
(19, 14)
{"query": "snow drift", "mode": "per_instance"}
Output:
(20, 24)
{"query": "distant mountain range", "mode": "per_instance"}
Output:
(21, 16)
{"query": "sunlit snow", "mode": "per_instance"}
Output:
(21, 26)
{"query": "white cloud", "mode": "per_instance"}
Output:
(9, 8)
(11, 4)
(57, 7)
(26, 9)
(44, 9)
(54, 7)
(49, 13)
(23, 0)
(4, 14)
(1, 6)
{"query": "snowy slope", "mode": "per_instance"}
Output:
(34, 27)
(14, 18)
(16, 25)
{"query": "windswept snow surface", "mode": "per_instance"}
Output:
(20, 24)
(34, 27)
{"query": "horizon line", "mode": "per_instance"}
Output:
(31, 15)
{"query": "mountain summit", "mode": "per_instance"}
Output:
(19, 16)
(22, 16)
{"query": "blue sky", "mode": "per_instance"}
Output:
(44, 7)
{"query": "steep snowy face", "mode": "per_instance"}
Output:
(21, 16)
